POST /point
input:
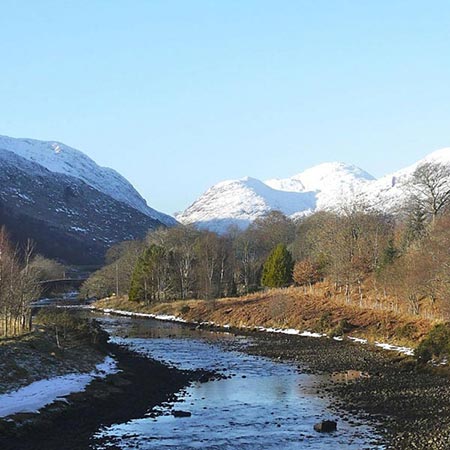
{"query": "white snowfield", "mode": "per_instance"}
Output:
(60, 158)
(292, 331)
(35, 396)
(329, 186)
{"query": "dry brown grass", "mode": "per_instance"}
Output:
(292, 308)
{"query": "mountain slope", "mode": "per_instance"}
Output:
(332, 182)
(328, 186)
(59, 203)
(390, 193)
(60, 158)
(240, 202)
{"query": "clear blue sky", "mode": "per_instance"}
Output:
(180, 94)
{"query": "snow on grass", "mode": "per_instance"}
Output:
(120, 312)
(358, 340)
(405, 350)
(32, 398)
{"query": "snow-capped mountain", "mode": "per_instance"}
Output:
(72, 208)
(328, 186)
(239, 202)
(60, 158)
(392, 191)
(329, 181)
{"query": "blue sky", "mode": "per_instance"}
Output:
(178, 95)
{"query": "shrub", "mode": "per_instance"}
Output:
(324, 323)
(435, 345)
(341, 328)
(185, 309)
(406, 331)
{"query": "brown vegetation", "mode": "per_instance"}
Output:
(291, 308)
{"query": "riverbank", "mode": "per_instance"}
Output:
(36, 356)
(140, 384)
(109, 385)
(409, 403)
(289, 309)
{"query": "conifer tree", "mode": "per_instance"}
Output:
(277, 270)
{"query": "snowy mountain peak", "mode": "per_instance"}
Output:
(327, 186)
(60, 158)
(241, 201)
(322, 177)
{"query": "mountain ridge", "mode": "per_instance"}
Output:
(49, 193)
(61, 158)
(327, 186)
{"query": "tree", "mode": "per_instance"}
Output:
(18, 287)
(151, 280)
(430, 187)
(248, 262)
(208, 251)
(306, 273)
(180, 242)
(277, 270)
(115, 277)
(272, 229)
(46, 269)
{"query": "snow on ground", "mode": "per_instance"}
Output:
(405, 350)
(35, 396)
(165, 317)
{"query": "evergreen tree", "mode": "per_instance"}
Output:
(150, 280)
(390, 253)
(277, 270)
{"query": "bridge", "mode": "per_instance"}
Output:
(61, 284)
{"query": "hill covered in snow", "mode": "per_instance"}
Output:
(71, 207)
(60, 158)
(329, 186)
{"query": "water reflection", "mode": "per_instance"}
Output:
(264, 405)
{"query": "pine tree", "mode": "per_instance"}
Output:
(277, 270)
(150, 276)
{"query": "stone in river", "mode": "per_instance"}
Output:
(179, 413)
(326, 426)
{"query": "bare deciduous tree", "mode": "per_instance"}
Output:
(430, 187)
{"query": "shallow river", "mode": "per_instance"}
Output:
(264, 405)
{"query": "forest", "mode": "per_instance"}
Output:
(398, 261)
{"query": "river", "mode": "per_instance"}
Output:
(262, 404)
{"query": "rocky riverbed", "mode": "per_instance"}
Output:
(141, 384)
(410, 403)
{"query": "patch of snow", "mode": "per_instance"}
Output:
(404, 350)
(358, 340)
(120, 312)
(37, 395)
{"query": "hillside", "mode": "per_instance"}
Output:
(73, 209)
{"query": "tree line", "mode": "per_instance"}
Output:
(398, 261)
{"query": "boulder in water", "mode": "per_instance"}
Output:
(326, 426)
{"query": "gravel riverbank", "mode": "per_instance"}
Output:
(141, 384)
(409, 404)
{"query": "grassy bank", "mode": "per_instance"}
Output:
(291, 308)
